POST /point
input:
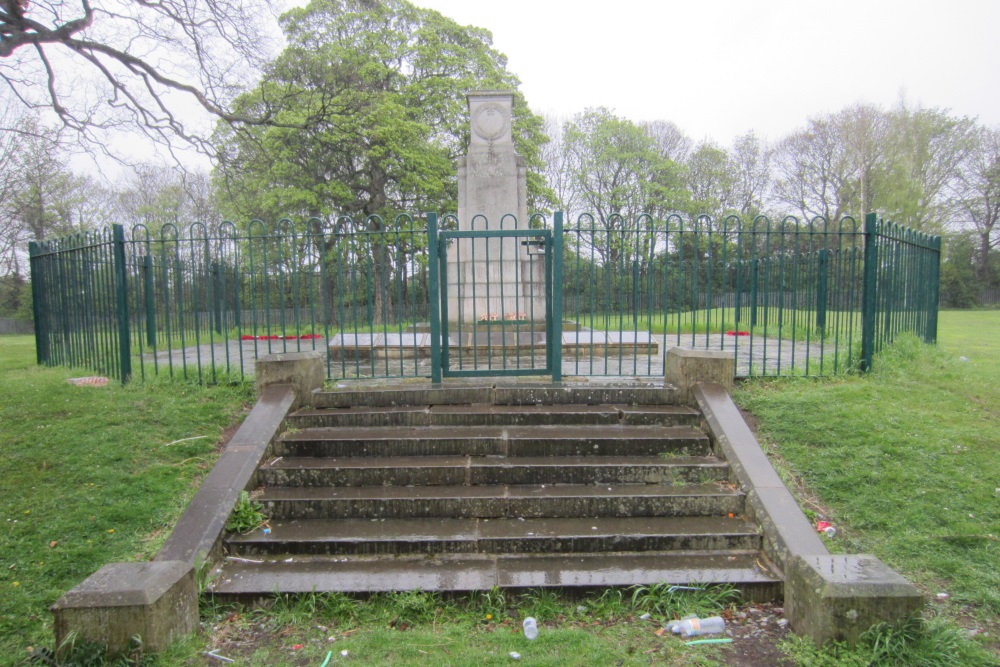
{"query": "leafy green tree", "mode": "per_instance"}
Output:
(959, 285)
(381, 118)
(975, 194)
(711, 180)
(44, 201)
(925, 151)
(815, 171)
(751, 160)
(384, 108)
(619, 175)
(154, 196)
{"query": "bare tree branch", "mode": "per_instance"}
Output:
(163, 68)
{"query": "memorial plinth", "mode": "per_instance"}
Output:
(496, 277)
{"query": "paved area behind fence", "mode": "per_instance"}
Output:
(755, 356)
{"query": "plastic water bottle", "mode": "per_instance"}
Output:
(675, 626)
(693, 627)
(530, 628)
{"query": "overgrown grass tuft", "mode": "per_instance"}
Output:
(913, 643)
(673, 602)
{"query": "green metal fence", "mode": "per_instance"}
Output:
(786, 297)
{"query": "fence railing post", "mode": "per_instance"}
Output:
(434, 296)
(150, 295)
(557, 289)
(930, 336)
(821, 289)
(121, 277)
(37, 303)
(868, 295)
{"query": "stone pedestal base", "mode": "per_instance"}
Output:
(840, 596)
(683, 368)
(302, 370)
(154, 602)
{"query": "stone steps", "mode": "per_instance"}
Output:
(490, 501)
(500, 394)
(472, 572)
(467, 487)
(477, 470)
(513, 441)
(497, 536)
(497, 415)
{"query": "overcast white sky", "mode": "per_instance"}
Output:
(718, 68)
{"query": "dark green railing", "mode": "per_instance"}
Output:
(786, 297)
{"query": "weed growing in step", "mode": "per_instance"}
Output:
(247, 515)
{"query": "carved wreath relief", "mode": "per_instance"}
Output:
(489, 123)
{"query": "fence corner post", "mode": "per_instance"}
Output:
(37, 307)
(434, 296)
(121, 276)
(557, 285)
(868, 295)
(935, 292)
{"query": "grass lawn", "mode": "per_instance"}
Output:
(902, 460)
(90, 475)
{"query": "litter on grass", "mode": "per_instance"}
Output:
(92, 381)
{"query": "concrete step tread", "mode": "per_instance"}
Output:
(435, 529)
(487, 408)
(541, 491)
(432, 461)
(466, 572)
(590, 433)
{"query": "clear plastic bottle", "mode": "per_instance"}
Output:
(530, 628)
(675, 626)
(693, 627)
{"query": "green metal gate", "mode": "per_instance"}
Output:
(499, 309)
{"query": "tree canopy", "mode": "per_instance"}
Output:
(393, 121)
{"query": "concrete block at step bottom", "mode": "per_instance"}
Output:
(838, 597)
(156, 602)
(303, 370)
(685, 368)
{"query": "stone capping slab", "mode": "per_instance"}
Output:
(685, 368)
(197, 536)
(840, 596)
(303, 370)
(787, 531)
(827, 597)
(155, 602)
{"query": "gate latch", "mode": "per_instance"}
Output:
(534, 246)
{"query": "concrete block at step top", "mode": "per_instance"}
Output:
(838, 597)
(156, 602)
(302, 370)
(684, 368)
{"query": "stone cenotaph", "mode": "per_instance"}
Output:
(493, 279)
